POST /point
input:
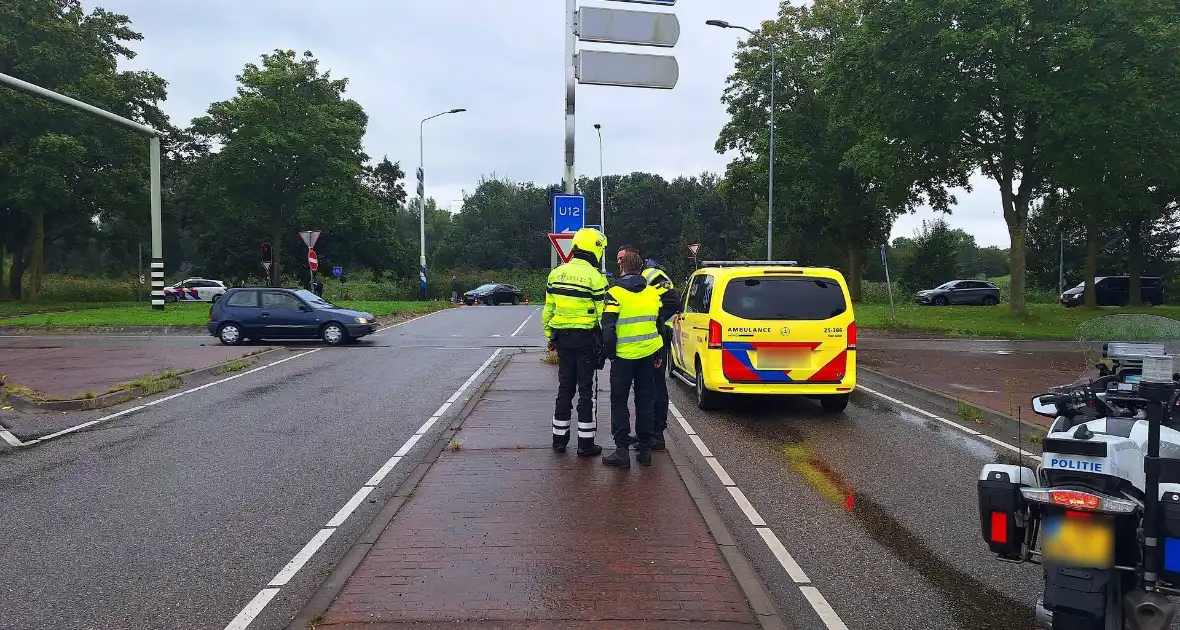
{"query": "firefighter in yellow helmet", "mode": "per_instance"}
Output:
(574, 297)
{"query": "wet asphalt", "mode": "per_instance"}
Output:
(877, 505)
(175, 516)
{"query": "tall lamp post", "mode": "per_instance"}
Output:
(422, 200)
(601, 192)
(770, 188)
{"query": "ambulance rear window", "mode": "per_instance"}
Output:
(801, 299)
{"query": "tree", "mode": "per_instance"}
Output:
(935, 257)
(287, 139)
(61, 168)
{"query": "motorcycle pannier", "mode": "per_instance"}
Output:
(1003, 512)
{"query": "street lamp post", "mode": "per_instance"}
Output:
(422, 200)
(601, 191)
(770, 187)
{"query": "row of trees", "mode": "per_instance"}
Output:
(1071, 109)
(882, 105)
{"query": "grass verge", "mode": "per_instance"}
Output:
(1044, 321)
(124, 315)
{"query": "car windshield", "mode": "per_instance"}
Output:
(807, 299)
(314, 299)
(485, 287)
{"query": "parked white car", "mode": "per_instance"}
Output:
(195, 290)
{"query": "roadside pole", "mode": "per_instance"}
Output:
(888, 285)
(154, 168)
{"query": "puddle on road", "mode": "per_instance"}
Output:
(974, 604)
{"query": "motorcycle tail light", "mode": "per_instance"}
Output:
(1080, 501)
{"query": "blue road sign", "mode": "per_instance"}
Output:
(337, 271)
(569, 213)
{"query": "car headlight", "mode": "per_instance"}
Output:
(362, 320)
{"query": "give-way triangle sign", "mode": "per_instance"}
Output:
(563, 243)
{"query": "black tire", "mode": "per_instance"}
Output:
(334, 334)
(515, 300)
(990, 300)
(834, 403)
(941, 301)
(230, 334)
(706, 400)
(169, 299)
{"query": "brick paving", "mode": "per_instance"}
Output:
(504, 533)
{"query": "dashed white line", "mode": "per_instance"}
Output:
(526, 320)
(794, 571)
(951, 423)
(256, 605)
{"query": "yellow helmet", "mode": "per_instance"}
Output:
(590, 241)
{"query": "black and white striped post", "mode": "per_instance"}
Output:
(154, 150)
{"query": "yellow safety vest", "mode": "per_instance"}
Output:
(654, 275)
(574, 297)
(637, 335)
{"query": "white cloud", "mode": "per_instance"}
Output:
(503, 61)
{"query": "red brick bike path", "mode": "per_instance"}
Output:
(503, 533)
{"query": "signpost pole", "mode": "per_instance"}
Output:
(888, 285)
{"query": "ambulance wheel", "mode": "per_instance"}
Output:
(834, 403)
(706, 400)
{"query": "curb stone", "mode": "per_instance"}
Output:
(999, 423)
(22, 403)
(326, 593)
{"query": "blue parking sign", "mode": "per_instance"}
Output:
(569, 213)
(337, 271)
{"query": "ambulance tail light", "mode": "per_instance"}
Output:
(1080, 501)
(714, 335)
(852, 336)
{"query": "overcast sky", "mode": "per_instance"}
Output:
(503, 61)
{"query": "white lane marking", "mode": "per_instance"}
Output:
(726, 480)
(384, 470)
(784, 558)
(302, 557)
(794, 571)
(381, 330)
(739, 497)
(700, 444)
(526, 320)
(349, 507)
(443, 409)
(242, 621)
(7, 436)
(247, 614)
(823, 608)
(118, 414)
(964, 429)
(426, 425)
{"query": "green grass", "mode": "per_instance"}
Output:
(1044, 321)
(24, 308)
(182, 315)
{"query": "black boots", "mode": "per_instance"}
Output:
(619, 458)
(589, 450)
(643, 457)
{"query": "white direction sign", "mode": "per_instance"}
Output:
(617, 26)
(309, 237)
(600, 67)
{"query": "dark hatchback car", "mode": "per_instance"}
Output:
(265, 313)
(1116, 291)
(494, 294)
(974, 292)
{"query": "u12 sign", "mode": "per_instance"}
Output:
(569, 213)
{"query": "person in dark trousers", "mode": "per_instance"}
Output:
(454, 289)
(574, 297)
(657, 277)
(631, 339)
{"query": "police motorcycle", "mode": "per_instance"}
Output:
(1101, 514)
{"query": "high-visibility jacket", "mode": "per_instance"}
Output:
(630, 322)
(574, 297)
(656, 276)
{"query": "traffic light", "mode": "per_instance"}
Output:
(266, 252)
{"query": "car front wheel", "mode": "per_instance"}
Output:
(334, 334)
(169, 299)
(230, 334)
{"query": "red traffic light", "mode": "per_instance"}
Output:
(266, 252)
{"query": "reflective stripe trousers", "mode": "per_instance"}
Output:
(577, 363)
